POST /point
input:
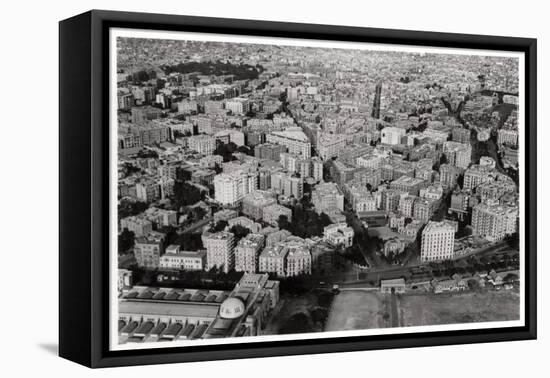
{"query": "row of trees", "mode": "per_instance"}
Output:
(449, 268)
(197, 279)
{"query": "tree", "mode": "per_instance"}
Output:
(297, 323)
(125, 241)
(225, 150)
(198, 213)
(146, 153)
(239, 231)
(473, 284)
(186, 194)
(217, 68)
(325, 220)
(283, 222)
(182, 174)
(219, 226)
(128, 208)
(245, 150)
(510, 277)
(179, 134)
(190, 242)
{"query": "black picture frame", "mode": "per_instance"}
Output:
(84, 193)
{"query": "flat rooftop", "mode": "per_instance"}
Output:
(203, 310)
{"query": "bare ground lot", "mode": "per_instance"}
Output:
(369, 310)
(358, 310)
(468, 307)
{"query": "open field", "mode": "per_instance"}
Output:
(358, 310)
(469, 307)
(368, 310)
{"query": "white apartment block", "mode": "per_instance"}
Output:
(138, 225)
(327, 196)
(339, 234)
(392, 135)
(203, 144)
(220, 251)
(287, 185)
(247, 253)
(477, 175)
(238, 105)
(433, 192)
(330, 145)
(294, 139)
(272, 213)
(298, 262)
(493, 221)
(373, 160)
(272, 260)
(175, 259)
(458, 154)
(438, 241)
(231, 136)
(406, 205)
(230, 188)
(509, 137)
(287, 258)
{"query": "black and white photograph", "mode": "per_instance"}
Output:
(282, 189)
(216, 188)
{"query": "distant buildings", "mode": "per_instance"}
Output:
(140, 115)
(437, 241)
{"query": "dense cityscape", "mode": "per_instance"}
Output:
(268, 189)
